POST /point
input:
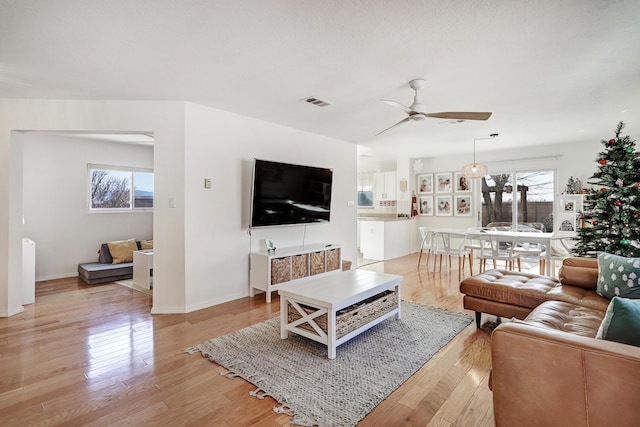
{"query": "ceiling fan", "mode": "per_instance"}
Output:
(417, 110)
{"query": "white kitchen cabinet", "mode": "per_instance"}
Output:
(384, 185)
(383, 240)
(390, 185)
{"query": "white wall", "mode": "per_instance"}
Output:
(164, 119)
(56, 215)
(222, 146)
(565, 159)
(201, 245)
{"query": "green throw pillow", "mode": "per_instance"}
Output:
(618, 276)
(621, 322)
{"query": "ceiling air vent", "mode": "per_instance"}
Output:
(315, 101)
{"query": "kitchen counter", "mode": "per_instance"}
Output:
(383, 218)
(383, 238)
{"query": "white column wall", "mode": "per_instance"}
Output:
(202, 244)
(221, 146)
(165, 119)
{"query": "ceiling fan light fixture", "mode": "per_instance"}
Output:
(417, 112)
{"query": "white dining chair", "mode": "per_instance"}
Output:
(497, 248)
(452, 244)
(560, 248)
(426, 246)
(532, 252)
(474, 243)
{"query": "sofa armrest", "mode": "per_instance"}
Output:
(581, 272)
(553, 378)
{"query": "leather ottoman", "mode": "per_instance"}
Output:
(506, 293)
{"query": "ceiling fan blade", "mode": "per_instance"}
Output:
(391, 127)
(460, 115)
(398, 105)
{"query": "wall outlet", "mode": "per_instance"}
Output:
(351, 203)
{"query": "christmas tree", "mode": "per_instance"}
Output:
(611, 214)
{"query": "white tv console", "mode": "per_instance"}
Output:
(269, 271)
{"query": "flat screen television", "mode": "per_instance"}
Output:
(288, 194)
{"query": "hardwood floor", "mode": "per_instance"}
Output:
(93, 355)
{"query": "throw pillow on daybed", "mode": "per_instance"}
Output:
(621, 322)
(146, 244)
(104, 256)
(122, 250)
(618, 276)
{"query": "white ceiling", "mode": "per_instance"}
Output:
(550, 71)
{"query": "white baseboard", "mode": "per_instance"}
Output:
(168, 310)
(194, 307)
(56, 276)
(11, 312)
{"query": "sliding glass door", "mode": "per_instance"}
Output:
(519, 200)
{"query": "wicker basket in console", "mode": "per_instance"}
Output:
(350, 318)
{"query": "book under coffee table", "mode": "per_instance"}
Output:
(335, 308)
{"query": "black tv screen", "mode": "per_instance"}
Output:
(286, 194)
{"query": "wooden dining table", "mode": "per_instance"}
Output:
(517, 236)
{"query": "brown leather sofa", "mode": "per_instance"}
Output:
(549, 369)
(514, 294)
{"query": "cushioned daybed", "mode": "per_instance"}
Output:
(115, 261)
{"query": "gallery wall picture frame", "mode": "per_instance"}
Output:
(425, 183)
(567, 206)
(567, 224)
(462, 184)
(570, 203)
(425, 205)
(444, 182)
(443, 206)
(463, 206)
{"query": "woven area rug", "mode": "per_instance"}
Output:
(340, 392)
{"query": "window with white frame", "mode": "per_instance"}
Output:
(530, 202)
(113, 188)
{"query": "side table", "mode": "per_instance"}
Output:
(142, 266)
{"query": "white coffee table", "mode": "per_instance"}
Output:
(329, 294)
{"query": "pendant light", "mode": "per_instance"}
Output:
(475, 170)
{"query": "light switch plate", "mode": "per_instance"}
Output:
(207, 183)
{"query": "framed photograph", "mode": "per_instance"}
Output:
(570, 203)
(443, 182)
(567, 206)
(462, 184)
(463, 205)
(425, 183)
(425, 205)
(567, 224)
(271, 246)
(443, 206)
